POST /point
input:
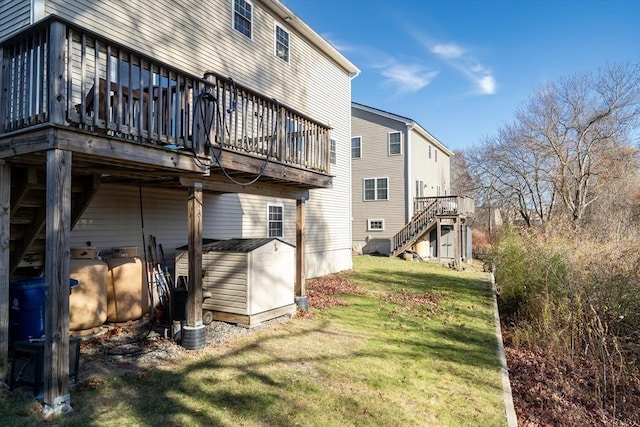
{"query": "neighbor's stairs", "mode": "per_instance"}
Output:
(28, 215)
(421, 223)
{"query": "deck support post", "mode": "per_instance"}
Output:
(193, 335)
(456, 243)
(5, 214)
(57, 260)
(439, 239)
(300, 287)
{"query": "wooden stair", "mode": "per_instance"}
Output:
(28, 215)
(421, 223)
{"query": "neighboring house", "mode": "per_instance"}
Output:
(400, 174)
(218, 119)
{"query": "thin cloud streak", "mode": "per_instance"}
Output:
(461, 60)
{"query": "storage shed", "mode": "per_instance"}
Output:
(246, 281)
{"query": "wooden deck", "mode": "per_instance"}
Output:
(123, 114)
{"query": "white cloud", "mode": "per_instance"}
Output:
(448, 50)
(462, 60)
(408, 77)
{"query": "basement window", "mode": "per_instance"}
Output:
(375, 225)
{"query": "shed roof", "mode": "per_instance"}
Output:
(234, 245)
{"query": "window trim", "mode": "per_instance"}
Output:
(269, 221)
(371, 220)
(233, 19)
(389, 153)
(277, 26)
(360, 139)
(375, 189)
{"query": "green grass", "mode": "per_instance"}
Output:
(383, 360)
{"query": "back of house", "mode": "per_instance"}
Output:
(258, 45)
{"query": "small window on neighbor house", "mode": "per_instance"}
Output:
(275, 221)
(429, 151)
(356, 147)
(242, 12)
(375, 225)
(395, 143)
(438, 190)
(376, 189)
(419, 188)
(332, 151)
(436, 154)
(282, 43)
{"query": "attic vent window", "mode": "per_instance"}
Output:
(242, 12)
(282, 43)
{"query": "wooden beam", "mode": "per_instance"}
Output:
(194, 298)
(220, 184)
(439, 239)
(57, 256)
(5, 213)
(300, 287)
(236, 161)
(456, 243)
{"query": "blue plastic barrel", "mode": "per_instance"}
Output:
(27, 301)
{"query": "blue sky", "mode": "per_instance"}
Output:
(461, 68)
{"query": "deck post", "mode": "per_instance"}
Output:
(456, 243)
(57, 260)
(439, 239)
(193, 334)
(300, 287)
(5, 213)
(57, 93)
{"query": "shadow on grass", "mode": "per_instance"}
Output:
(292, 375)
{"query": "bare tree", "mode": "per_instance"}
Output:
(568, 143)
(581, 122)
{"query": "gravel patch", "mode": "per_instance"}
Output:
(123, 350)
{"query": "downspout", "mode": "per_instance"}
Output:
(407, 179)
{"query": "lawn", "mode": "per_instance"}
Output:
(409, 344)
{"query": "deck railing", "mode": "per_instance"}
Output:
(55, 72)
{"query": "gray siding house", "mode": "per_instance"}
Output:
(400, 178)
(219, 119)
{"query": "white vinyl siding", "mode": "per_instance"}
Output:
(395, 143)
(14, 14)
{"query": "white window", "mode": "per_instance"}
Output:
(395, 143)
(436, 154)
(282, 43)
(429, 151)
(275, 221)
(375, 224)
(356, 147)
(438, 190)
(242, 13)
(332, 152)
(419, 188)
(376, 189)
